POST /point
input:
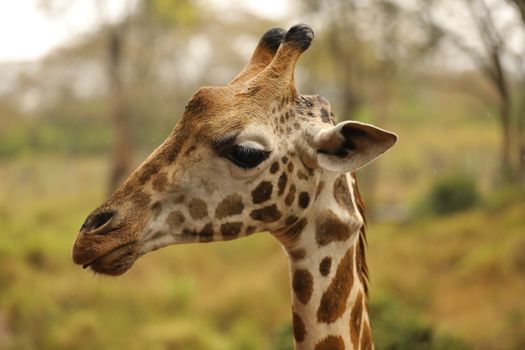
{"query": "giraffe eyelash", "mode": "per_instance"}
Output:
(247, 157)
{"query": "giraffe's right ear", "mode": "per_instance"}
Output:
(349, 145)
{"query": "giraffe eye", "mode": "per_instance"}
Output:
(247, 157)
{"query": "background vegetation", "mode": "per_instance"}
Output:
(446, 206)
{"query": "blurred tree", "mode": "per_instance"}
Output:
(118, 106)
(520, 6)
(490, 58)
(345, 49)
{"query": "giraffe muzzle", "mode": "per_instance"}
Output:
(116, 262)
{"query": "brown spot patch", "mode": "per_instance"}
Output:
(274, 168)
(331, 229)
(231, 229)
(297, 254)
(156, 208)
(299, 330)
(301, 175)
(266, 214)
(175, 219)
(288, 200)
(333, 301)
(204, 235)
(250, 230)
(304, 199)
(292, 219)
(294, 232)
(198, 208)
(147, 171)
(366, 337)
(355, 320)
(342, 192)
(284, 159)
(290, 167)
(331, 342)
(325, 265)
(302, 285)
(262, 192)
(281, 183)
(179, 199)
(231, 205)
(160, 181)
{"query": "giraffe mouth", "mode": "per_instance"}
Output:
(116, 262)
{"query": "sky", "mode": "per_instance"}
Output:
(28, 32)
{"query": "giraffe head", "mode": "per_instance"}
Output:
(246, 157)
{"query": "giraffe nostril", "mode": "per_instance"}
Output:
(94, 222)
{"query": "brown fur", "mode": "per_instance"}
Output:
(267, 214)
(325, 265)
(331, 342)
(288, 200)
(198, 209)
(274, 168)
(231, 229)
(230, 205)
(299, 330)
(262, 192)
(355, 320)
(160, 182)
(297, 254)
(334, 299)
(293, 234)
(301, 175)
(331, 229)
(366, 337)
(302, 285)
(304, 199)
(281, 183)
(175, 219)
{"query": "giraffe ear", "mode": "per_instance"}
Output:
(350, 145)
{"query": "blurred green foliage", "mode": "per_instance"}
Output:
(396, 327)
(453, 193)
(75, 136)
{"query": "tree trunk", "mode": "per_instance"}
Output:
(506, 144)
(520, 138)
(118, 110)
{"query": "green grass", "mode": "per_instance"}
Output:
(464, 272)
(460, 276)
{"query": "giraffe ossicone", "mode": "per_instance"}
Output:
(251, 156)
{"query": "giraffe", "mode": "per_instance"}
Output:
(252, 156)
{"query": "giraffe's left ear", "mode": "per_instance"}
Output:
(350, 145)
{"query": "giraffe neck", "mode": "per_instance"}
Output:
(328, 286)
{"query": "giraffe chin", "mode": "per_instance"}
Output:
(116, 262)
